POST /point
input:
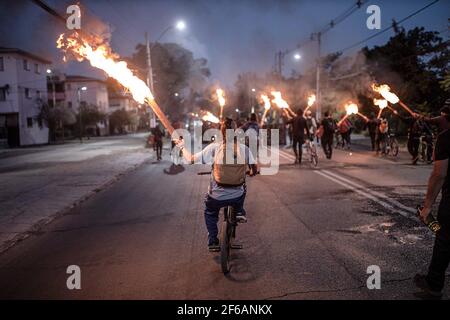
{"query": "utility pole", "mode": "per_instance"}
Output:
(150, 77)
(79, 112)
(318, 106)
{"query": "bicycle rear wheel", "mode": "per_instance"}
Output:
(225, 244)
(314, 157)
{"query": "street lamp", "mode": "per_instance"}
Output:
(180, 25)
(79, 110)
(49, 72)
(297, 56)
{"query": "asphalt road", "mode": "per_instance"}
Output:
(311, 234)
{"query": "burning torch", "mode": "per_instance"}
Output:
(385, 91)
(266, 101)
(351, 108)
(282, 104)
(221, 98)
(311, 100)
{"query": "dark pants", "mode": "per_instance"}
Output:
(413, 146)
(298, 143)
(212, 208)
(373, 140)
(158, 148)
(346, 139)
(327, 145)
(441, 251)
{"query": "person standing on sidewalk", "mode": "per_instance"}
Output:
(433, 282)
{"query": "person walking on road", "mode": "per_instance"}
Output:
(326, 134)
(311, 125)
(299, 132)
(158, 141)
(433, 282)
(345, 129)
(372, 127)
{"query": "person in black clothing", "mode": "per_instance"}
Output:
(299, 132)
(417, 129)
(328, 127)
(158, 134)
(440, 122)
(372, 126)
(433, 282)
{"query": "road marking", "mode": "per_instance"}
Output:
(378, 197)
(374, 193)
(364, 192)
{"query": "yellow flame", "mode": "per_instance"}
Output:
(221, 97)
(278, 100)
(101, 57)
(385, 91)
(210, 117)
(311, 100)
(351, 108)
(381, 103)
(266, 101)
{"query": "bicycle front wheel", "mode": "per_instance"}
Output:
(394, 148)
(225, 246)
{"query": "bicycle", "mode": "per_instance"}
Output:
(390, 146)
(227, 234)
(311, 151)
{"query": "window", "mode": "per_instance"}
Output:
(38, 94)
(30, 122)
(69, 104)
(27, 93)
(68, 86)
(2, 64)
(26, 65)
(39, 120)
(2, 94)
(36, 68)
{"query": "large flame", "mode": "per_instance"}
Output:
(311, 100)
(381, 103)
(221, 97)
(385, 91)
(210, 117)
(266, 101)
(278, 100)
(351, 108)
(102, 58)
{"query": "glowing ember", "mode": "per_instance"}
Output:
(220, 97)
(381, 103)
(266, 101)
(311, 100)
(351, 108)
(210, 117)
(385, 91)
(278, 100)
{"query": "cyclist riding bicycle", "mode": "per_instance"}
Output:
(311, 125)
(382, 135)
(227, 183)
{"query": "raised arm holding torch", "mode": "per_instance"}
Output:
(384, 90)
(266, 108)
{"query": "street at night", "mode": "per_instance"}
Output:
(224, 158)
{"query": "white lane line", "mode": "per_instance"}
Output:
(364, 194)
(374, 193)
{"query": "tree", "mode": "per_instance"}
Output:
(119, 119)
(55, 117)
(90, 116)
(412, 63)
(174, 69)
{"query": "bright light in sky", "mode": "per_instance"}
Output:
(297, 56)
(181, 25)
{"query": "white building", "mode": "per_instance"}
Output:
(23, 88)
(94, 93)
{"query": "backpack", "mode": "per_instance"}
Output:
(229, 174)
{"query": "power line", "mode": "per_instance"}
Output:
(388, 28)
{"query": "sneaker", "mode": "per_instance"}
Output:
(421, 282)
(241, 218)
(414, 162)
(214, 246)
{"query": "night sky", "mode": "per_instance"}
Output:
(235, 36)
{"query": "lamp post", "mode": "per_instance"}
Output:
(79, 110)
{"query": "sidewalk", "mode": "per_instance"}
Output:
(42, 183)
